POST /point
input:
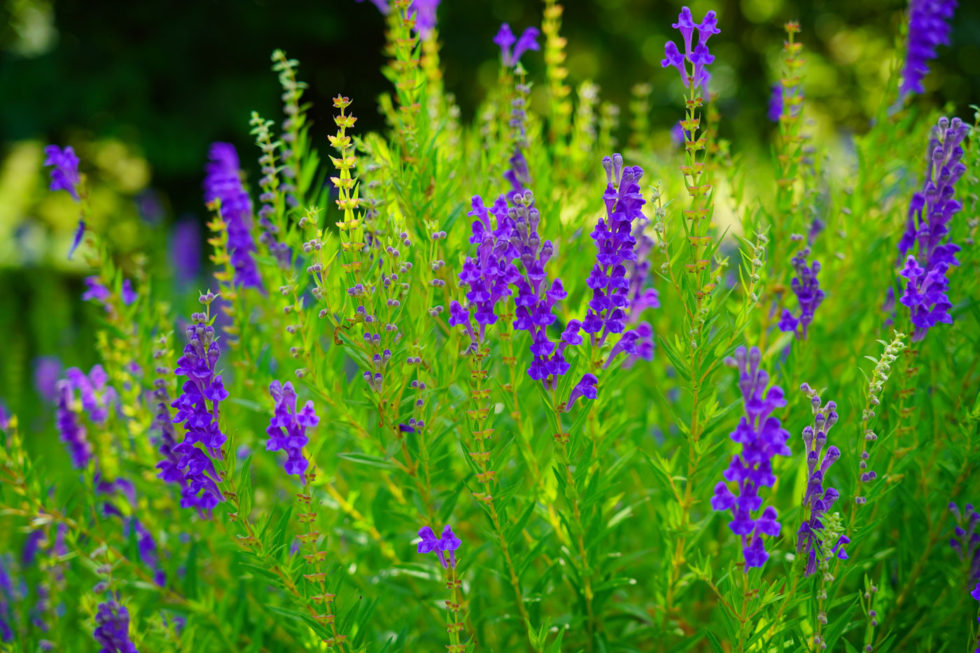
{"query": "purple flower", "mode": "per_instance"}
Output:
(112, 629)
(77, 240)
(448, 542)
(224, 182)
(71, 432)
(287, 428)
(584, 388)
(806, 287)
(619, 274)
(816, 499)
(425, 16)
(505, 39)
(194, 470)
(698, 56)
(930, 212)
(762, 438)
(929, 27)
(64, 171)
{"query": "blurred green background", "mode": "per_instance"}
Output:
(142, 89)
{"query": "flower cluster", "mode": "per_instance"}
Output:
(535, 297)
(439, 545)
(611, 283)
(287, 428)
(194, 469)
(806, 287)
(930, 212)
(64, 170)
(488, 276)
(506, 40)
(762, 437)
(929, 27)
(966, 540)
(223, 182)
(698, 56)
(818, 500)
(112, 628)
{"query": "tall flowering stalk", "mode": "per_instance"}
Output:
(487, 278)
(811, 540)
(287, 432)
(929, 216)
(696, 288)
(762, 438)
(198, 408)
(692, 65)
(223, 184)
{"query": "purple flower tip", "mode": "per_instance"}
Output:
(64, 171)
(439, 545)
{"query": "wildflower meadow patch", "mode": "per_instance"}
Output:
(525, 382)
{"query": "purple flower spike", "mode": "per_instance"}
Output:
(762, 438)
(697, 55)
(72, 433)
(64, 171)
(930, 213)
(488, 276)
(194, 469)
(621, 269)
(816, 499)
(112, 629)
(287, 429)
(224, 182)
(929, 27)
(806, 287)
(432, 544)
